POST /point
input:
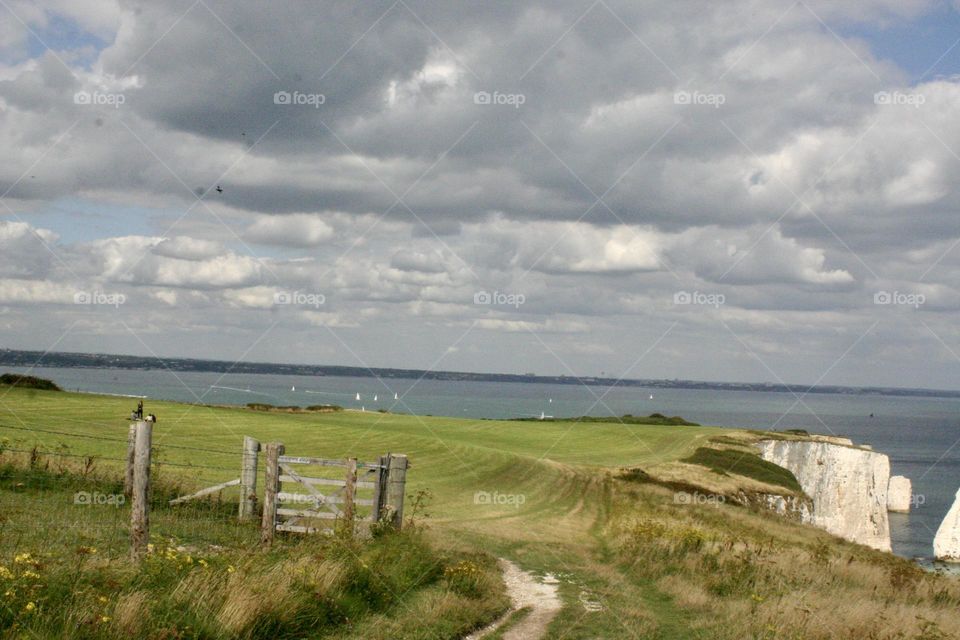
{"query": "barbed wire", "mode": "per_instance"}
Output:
(124, 460)
(109, 439)
(63, 433)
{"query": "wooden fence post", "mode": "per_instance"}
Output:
(380, 488)
(396, 485)
(248, 479)
(140, 507)
(271, 486)
(349, 491)
(131, 448)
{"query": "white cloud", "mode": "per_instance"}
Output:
(291, 230)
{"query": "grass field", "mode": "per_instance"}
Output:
(551, 496)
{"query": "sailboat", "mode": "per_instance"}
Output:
(358, 396)
(651, 396)
(374, 397)
(293, 388)
(395, 397)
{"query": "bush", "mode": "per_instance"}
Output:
(725, 461)
(28, 382)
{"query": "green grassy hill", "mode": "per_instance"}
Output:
(556, 497)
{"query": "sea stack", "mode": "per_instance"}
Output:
(898, 494)
(946, 545)
(848, 486)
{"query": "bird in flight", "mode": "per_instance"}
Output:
(219, 189)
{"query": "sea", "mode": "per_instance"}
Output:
(920, 434)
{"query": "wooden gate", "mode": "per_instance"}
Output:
(317, 495)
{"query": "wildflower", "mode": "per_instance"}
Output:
(23, 558)
(86, 551)
(202, 562)
(9, 593)
(104, 619)
(5, 573)
(31, 574)
(103, 599)
(230, 569)
(30, 607)
(150, 548)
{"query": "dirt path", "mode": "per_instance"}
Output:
(525, 591)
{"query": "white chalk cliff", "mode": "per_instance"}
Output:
(848, 486)
(899, 493)
(946, 545)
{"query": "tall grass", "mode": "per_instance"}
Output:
(781, 581)
(73, 578)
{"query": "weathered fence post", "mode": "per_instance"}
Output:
(349, 491)
(271, 486)
(140, 506)
(396, 485)
(380, 488)
(248, 479)
(131, 448)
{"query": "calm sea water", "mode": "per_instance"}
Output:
(921, 435)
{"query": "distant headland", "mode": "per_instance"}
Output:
(18, 358)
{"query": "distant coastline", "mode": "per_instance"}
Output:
(19, 358)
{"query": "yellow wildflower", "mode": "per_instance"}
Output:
(22, 558)
(230, 569)
(103, 599)
(202, 562)
(104, 619)
(30, 607)
(31, 574)
(5, 573)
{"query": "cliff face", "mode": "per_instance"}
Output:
(899, 494)
(946, 545)
(848, 487)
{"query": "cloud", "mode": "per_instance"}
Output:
(25, 250)
(627, 151)
(292, 230)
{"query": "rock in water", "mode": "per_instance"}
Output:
(946, 545)
(848, 486)
(898, 494)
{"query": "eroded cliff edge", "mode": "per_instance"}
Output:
(848, 486)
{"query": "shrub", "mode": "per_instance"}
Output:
(28, 382)
(750, 465)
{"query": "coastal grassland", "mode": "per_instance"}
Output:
(65, 571)
(557, 498)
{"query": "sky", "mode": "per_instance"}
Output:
(740, 191)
